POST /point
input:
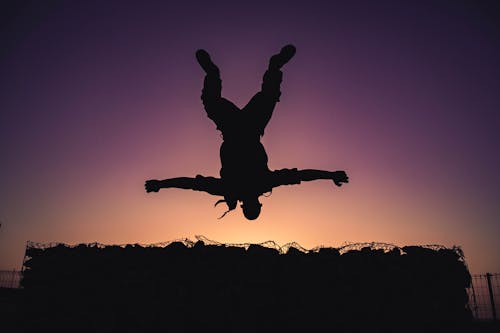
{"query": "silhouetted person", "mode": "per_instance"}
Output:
(244, 173)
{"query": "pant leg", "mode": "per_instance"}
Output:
(260, 108)
(271, 83)
(218, 109)
(211, 94)
(212, 87)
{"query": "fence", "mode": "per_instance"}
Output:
(10, 279)
(484, 293)
(484, 296)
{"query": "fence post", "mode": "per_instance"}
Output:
(13, 278)
(474, 297)
(492, 300)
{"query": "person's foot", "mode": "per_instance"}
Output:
(205, 62)
(278, 60)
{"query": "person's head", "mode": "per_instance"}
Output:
(251, 207)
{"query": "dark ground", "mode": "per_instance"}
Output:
(12, 318)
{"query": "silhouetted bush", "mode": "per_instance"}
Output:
(181, 287)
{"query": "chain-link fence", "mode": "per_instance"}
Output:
(484, 296)
(10, 279)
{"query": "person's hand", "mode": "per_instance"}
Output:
(152, 185)
(340, 177)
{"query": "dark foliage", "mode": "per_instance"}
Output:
(189, 288)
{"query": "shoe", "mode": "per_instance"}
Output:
(205, 62)
(286, 53)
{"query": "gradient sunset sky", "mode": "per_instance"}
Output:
(98, 96)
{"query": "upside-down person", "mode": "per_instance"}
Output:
(244, 175)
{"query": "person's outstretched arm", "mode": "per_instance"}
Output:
(210, 185)
(339, 177)
(294, 176)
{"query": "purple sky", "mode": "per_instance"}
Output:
(98, 96)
